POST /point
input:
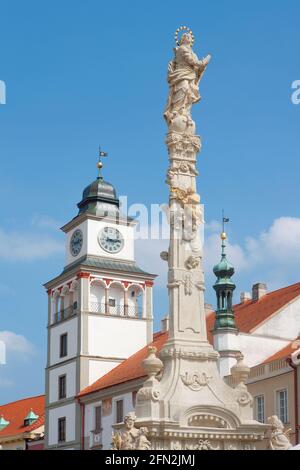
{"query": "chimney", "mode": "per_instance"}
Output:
(244, 297)
(165, 323)
(259, 290)
(208, 308)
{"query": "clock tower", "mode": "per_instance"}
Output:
(99, 308)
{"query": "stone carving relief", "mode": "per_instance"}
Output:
(240, 373)
(279, 439)
(195, 381)
(203, 444)
(131, 438)
(188, 284)
(192, 262)
(164, 255)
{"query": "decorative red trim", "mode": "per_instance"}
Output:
(49, 291)
(92, 277)
(149, 283)
(69, 284)
(125, 284)
(83, 275)
(107, 281)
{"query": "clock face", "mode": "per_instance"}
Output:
(76, 242)
(111, 240)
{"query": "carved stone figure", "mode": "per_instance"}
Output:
(131, 438)
(184, 74)
(143, 443)
(279, 439)
(192, 262)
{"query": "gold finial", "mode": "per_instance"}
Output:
(224, 221)
(99, 163)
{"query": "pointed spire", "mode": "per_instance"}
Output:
(224, 287)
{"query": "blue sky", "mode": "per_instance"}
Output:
(80, 74)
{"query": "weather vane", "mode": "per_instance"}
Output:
(100, 164)
(224, 221)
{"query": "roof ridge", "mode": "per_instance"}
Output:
(23, 399)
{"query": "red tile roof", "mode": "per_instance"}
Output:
(129, 369)
(249, 315)
(17, 411)
(284, 352)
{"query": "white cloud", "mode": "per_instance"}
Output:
(272, 257)
(27, 246)
(16, 344)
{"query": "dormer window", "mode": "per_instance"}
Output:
(3, 423)
(30, 418)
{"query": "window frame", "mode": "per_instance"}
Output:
(120, 401)
(98, 418)
(61, 431)
(62, 378)
(286, 417)
(262, 396)
(63, 351)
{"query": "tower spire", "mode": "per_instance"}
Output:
(224, 286)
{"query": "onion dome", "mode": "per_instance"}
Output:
(100, 197)
(223, 270)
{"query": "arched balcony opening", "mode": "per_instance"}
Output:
(55, 306)
(98, 297)
(135, 301)
(116, 299)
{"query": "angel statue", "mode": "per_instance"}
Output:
(184, 74)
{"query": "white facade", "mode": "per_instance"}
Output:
(91, 229)
(68, 412)
(96, 319)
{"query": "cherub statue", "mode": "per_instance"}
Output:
(279, 439)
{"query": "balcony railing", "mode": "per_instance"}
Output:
(116, 310)
(65, 313)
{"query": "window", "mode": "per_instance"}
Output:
(112, 302)
(61, 429)
(282, 405)
(119, 411)
(62, 387)
(63, 345)
(260, 408)
(98, 418)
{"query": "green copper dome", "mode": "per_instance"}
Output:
(223, 270)
(224, 288)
